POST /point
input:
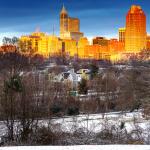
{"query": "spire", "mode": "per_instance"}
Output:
(63, 6)
(64, 9)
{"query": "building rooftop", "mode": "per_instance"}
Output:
(122, 29)
(136, 8)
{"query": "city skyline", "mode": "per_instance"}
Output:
(46, 15)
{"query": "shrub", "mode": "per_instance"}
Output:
(73, 110)
(44, 136)
(57, 109)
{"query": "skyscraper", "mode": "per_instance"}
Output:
(135, 35)
(69, 27)
(63, 22)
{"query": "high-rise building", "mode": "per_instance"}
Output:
(73, 25)
(135, 35)
(122, 34)
(69, 27)
(63, 22)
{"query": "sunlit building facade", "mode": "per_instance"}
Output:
(37, 43)
(40, 43)
(135, 35)
(54, 45)
(73, 25)
(92, 51)
(115, 46)
(8, 48)
(148, 42)
(100, 41)
(69, 27)
(71, 42)
(122, 34)
(83, 42)
(97, 52)
(69, 47)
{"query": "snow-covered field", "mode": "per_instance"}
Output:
(104, 147)
(97, 122)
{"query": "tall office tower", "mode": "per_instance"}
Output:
(63, 21)
(73, 25)
(122, 34)
(69, 27)
(135, 36)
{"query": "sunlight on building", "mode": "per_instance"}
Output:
(71, 42)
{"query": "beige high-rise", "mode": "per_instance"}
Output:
(63, 22)
(69, 27)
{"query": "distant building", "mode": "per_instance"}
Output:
(83, 74)
(103, 44)
(69, 27)
(40, 43)
(100, 41)
(72, 78)
(81, 45)
(8, 48)
(93, 52)
(148, 42)
(54, 45)
(122, 34)
(135, 36)
(108, 49)
(73, 24)
(71, 42)
(115, 46)
(69, 47)
(35, 43)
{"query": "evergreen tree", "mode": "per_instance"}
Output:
(94, 70)
(83, 88)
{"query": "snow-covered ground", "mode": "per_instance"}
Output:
(97, 122)
(104, 147)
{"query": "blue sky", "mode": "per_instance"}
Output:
(98, 17)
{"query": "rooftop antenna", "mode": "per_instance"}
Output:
(53, 30)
